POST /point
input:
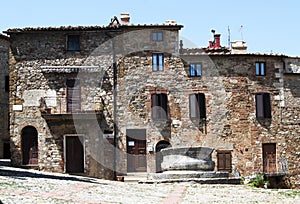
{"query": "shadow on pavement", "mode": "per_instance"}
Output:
(23, 174)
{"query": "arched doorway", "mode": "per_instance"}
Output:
(159, 146)
(29, 140)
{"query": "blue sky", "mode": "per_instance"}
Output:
(267, 26)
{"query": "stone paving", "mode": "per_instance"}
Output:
(30, 186)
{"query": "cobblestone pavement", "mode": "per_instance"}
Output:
(29, 186)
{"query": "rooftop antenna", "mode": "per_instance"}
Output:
(229, 37)
(241, 31)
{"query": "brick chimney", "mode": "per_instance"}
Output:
(125, 18)
(217, 41)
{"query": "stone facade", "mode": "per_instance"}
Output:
(135, 95)
(4, 86)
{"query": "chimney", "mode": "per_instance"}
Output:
(125, 18)
(170, 22)
(217, 41)
(239, 47)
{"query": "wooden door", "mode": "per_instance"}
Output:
(224, 160)
(269, 158)
(136, 155)
(74, 154)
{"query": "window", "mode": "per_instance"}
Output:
(260, 69)
(73, 95)
(195, 70)
(157, 36)
(263, 105)
(197, 106)
(159, 106)
(157, 62)
(224, 160)
(73, 43)
(6, 83)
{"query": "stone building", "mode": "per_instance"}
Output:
(4, 91)
(79, 92)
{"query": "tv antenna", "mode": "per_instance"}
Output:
(241, 31)
(229, 37)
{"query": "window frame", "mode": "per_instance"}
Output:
(263, 105)
(196, 72)
(73, 95)
(156, 59)
(159, 106)
(157, 36)
(70, 47)
(198, 105)
(259, 69)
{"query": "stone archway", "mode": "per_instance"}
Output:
(29, 142)
(159, 146)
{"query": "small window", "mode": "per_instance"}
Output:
(73, 43)
(157, 62)
(157, 36)
(224, 160)
(159, 106)
(260, 69)
(263, 105)
(195, 70)
(6, 83)
(197, 106)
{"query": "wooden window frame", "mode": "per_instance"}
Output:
(156, 66)
(159, 106)
(196, 73)
(260, 68)
(198, 105)
(263, 105)
(70, 98)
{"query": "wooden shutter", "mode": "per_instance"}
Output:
(164, 106)
(197, 106)
(259, 105)
(73, 95)
(263, 105)
(154, 104)
(267, 105)
(224, 160)
(193, 106)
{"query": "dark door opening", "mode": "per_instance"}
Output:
(74, 154)
(29, 142)
(158, 157)
(6, 151)
(269, 158)
(136, 151)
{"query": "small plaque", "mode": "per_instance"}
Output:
(131, 143)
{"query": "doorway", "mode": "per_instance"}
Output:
(269, 157)
(158, 157)
(136, 150)
(29, 143)
(74, 154)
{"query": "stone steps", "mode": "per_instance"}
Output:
(135, 177)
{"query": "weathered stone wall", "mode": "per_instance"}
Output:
(39, 72)
(4, 114)
(229, 84)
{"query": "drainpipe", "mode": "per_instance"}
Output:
(115, 127)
